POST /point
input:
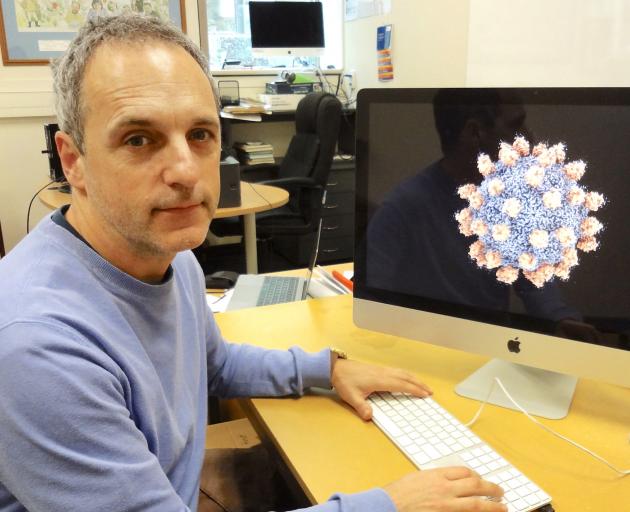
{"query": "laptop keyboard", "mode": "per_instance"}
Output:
(431, 437)
(278, 289)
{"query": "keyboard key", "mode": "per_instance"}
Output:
(413, 449)
(510, 495)
(387, 424)
(421, 458)
(520, 504)
(404, 441)
(531, 499)
(431, 452)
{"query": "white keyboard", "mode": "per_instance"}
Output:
(431, 437)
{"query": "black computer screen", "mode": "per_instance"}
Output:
(286, 24)
(539, 240)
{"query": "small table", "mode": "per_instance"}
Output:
(254, 198)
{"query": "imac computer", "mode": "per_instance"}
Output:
(287, 28)
(497, 222)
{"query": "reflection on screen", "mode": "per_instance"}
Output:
(506, 206)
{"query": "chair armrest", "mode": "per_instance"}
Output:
(259, 173)
(292, 182)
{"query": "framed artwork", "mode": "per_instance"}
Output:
(34, 31)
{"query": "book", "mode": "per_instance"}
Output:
(253, 146)
(281, 102)
(258, 156)
(267, 160)
(245, 108)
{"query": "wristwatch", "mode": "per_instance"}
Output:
(335, 354)
(338, 353)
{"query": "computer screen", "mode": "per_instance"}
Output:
(287, 28)
(495, 221)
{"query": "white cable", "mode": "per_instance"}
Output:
(496, 380)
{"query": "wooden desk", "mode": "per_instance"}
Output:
(328, 448)
(254, 198)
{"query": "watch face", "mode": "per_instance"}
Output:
(340, 353)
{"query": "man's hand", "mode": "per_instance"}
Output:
(454, 489)
(354, 381)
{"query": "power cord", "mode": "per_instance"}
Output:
(322, 79)
(259, 194)
(28, 213)
(496, 381)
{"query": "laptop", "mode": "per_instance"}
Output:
(252, 290)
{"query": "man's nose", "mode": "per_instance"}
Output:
(180, 165)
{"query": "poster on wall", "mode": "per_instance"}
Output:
(384, 64)
(356, 9)
(34, 31)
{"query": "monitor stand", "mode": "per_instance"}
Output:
(539, 392)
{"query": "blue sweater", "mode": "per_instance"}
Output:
(104, 382)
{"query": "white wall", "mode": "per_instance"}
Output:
(497, 43)
(429, 44)
(549, 43)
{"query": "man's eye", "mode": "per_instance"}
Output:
(200, 134)
(137, 141)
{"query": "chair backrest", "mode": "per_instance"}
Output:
(311, 150)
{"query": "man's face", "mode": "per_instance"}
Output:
(507, 125)
(152, 147)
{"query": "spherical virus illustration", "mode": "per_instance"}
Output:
(529, 213)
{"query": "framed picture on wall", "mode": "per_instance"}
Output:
(35, 31)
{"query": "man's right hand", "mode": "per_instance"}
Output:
(453, 489)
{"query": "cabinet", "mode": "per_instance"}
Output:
(337, 240)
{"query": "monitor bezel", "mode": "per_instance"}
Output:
(464, 327)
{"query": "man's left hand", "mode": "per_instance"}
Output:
(355, 381)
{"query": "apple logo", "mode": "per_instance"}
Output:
(514, 345)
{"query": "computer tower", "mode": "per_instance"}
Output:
(54, 164)
(230, 173)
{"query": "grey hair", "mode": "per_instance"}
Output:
(68, 70)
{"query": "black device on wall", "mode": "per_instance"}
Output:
(287, 28)
(54, 164)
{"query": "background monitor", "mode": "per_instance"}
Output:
(414, 274)
(287, 28)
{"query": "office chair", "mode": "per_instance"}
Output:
(303, 172)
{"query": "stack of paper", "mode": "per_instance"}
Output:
(245, 107)
(281, 102)
(252, 153)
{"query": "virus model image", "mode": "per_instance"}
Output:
(529, 213)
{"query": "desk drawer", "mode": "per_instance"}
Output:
(337, 226)
(338, 203)
(340, 181)
(298, 249)
(338, 248)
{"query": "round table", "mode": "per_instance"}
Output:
(254, 198)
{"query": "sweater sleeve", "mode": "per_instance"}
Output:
(238, 370)
(67, 441)
(374, 500)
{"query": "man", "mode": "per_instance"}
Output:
(107, 348)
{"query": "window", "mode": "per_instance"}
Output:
(229, 38)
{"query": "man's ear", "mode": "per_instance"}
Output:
(71, 160)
